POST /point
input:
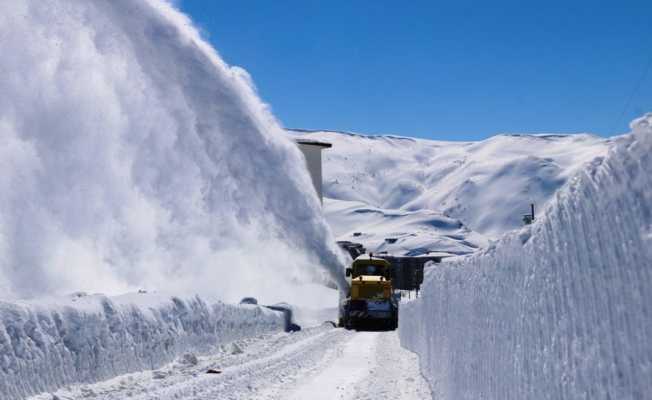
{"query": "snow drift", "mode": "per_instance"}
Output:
(559, 310)
(83, 339)
(131, 155)
(400, 232)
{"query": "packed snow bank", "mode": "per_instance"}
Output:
(560, 310)
(85, 339)
(133, 156)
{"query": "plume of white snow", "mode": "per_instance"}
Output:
(131, 155)
(558, 310)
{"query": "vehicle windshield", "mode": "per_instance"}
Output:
(370, 270)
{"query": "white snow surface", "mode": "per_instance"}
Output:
(88, 338)
(132, 156)
(316, 363)
(439, 195)
(401, 232)
(558, 310)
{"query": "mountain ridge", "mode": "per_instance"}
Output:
(486, 185)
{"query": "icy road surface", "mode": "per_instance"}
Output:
(317, 363)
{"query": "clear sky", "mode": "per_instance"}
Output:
(452, 70)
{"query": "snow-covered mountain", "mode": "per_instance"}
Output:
(439, 195)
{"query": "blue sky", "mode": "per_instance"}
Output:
(451, 70)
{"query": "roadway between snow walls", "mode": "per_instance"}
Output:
(559, 310)
(88, 339)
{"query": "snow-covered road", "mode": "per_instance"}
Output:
(317, 363)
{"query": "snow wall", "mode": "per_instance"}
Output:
(88, 339)
(132, 156)
(559, 310)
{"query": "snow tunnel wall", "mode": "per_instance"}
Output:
(96, 338)
(558, 310)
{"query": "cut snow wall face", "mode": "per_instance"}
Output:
(133, 156)
(44, 348)
(559, 310)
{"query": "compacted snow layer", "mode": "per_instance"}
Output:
(85, 339)
(371, 365)
(132, 156)
(319, 362)
(560, 310)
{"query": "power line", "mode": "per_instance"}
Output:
(635, 90)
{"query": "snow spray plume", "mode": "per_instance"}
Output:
(132, 155)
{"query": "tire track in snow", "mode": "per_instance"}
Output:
(248, 367)
(317, 363)
(370, 365)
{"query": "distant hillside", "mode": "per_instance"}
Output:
(390, 186)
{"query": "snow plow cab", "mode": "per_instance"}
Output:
(368, 265)
(370, 302)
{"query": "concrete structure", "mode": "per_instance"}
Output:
(312, 152)
(407, 272)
